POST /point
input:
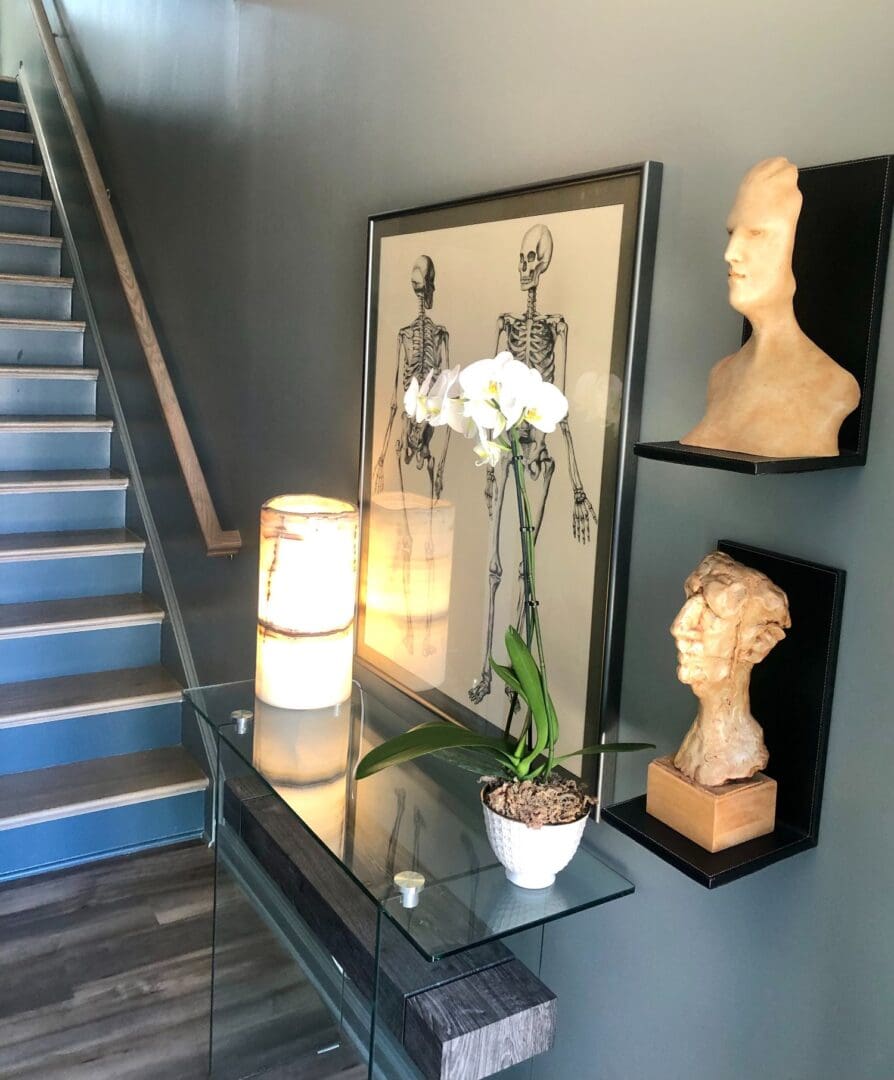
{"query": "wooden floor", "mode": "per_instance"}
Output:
(105, 974)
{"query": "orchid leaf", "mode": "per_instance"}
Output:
(509, 677)
(609, 748)
(429, 738)
(475, 761)
(528, 674)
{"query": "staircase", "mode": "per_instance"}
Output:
(90, 761)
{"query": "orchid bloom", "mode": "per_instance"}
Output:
(487, 398)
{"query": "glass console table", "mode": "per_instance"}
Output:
(359, 926)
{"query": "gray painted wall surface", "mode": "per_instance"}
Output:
(247, 142)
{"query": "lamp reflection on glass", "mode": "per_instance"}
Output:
(305, 755)
(306, 595)
(407, 600)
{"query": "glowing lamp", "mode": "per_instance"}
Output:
(306, 594)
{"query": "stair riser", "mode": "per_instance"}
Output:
(49, 450)
(9, 90)
(47, 397)
(20, 346)
(13, 119)
(18, 150)
(55, 511)
(80, 738)
(30, 221)
(59, 579)
(38, 259)
(34, 301)
(55, 844)
(27, 184)
(77, 653)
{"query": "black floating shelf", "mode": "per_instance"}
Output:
(840, 262)
(791, 695)
(707, 868)
(750, 464)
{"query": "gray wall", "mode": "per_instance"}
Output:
(246, 143)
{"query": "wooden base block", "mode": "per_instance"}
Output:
(715, 818)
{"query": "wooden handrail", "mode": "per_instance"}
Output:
(217, 541)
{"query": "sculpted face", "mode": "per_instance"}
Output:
(732, 617)
(761, 227)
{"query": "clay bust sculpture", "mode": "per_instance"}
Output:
(779, 395)
(733, 616)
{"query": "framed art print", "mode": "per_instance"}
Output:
(558, 274)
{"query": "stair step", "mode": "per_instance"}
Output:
(47, 391)
(54, 424)
(22, 254)
(61, 326)
(85, 787)
(17, 178)
(30, 481)
(54, 441)
(9, 88)
(36, 296)
(13, 115)
(47, 371)
(40, 700)
(27, 216)
(41, 341)
(16, 146)
(38, 280)
(31, 547)
(75, 615)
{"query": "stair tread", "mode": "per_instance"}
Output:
(59, 479)
(16, 136)
(43, 324)
(27, 238)
(80, 695)
(80, 612)
(46, 371)
(15, 546)
(52, 422)
(38, 279)
(26, 202)
(99, 784)
(13, 106)
(22, 167)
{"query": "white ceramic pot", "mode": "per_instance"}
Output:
(532, 857)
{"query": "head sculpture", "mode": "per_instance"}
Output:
(422, 279)
(732, 618)
(761, 227)
(535, 256)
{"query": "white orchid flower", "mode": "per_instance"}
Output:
(488, 451)
(480, 381)
(546, 408)
(411, 397)
(485, 416)
(518, 387)
(439, 394)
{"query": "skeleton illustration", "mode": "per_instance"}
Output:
(422, 348)
(541, 341)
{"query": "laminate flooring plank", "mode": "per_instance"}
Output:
(105, 974)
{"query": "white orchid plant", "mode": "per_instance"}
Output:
(493, 400)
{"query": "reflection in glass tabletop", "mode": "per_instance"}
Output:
(424, 816)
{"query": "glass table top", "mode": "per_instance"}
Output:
(424, 817)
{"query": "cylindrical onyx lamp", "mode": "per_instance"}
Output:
(306, 596)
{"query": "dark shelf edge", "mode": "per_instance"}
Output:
(630, 818)
(750, 465)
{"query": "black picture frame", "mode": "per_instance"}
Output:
(637, 189)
